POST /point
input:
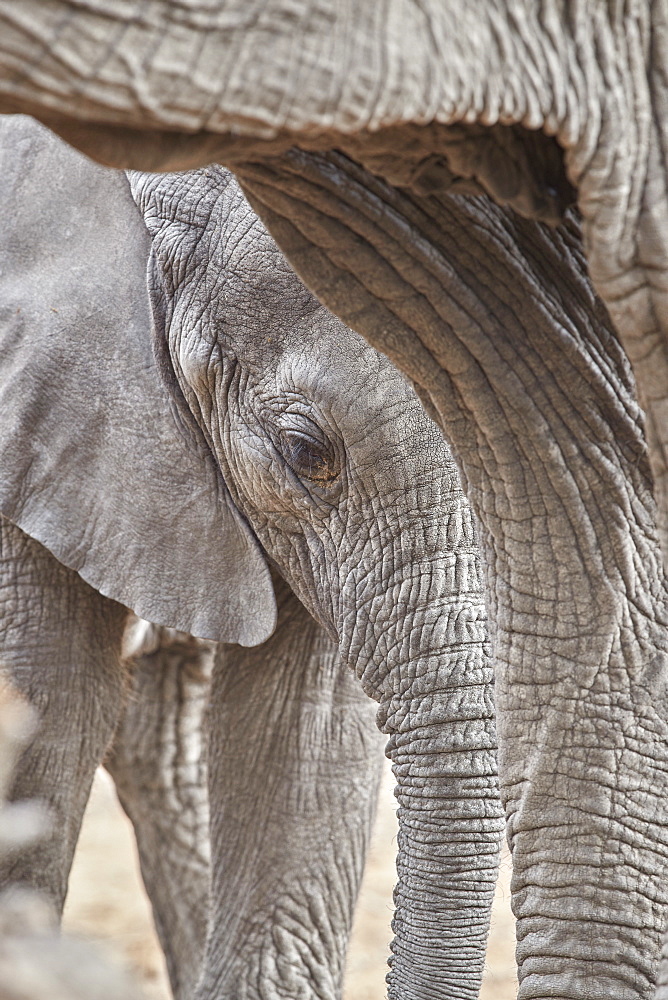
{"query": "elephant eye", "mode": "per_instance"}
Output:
(308, 458)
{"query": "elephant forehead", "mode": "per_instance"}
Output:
(202, 226)
(218, 261)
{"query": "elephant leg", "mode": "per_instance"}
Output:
(60, 643)
(158, 763)
(294, 765)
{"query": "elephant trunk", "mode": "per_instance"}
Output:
(449, 826)
(433, 680)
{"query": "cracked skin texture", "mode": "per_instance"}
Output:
(553, 460)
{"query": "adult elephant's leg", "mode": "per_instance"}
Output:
(294, 761)
(60, 642)
(158, 763)
(497, 324)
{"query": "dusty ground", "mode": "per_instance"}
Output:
(106, 902)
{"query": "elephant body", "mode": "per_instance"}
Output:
(230, 460)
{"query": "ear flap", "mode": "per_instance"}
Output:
(94, 464)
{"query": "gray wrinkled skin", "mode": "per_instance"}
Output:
(158, 761)
(236, 462)
(356, 128)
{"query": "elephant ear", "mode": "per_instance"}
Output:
(95, 462)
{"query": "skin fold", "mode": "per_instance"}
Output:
(246, 468)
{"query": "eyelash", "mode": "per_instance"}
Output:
(308, 458)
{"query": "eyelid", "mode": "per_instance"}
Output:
(299, 423)
(321, 444)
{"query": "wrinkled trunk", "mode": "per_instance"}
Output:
(442, 753)
(420, 649)
(290, 821)
(497, 324)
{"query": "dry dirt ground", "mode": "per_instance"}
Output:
(106, 902)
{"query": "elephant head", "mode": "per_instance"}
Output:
(225, 422)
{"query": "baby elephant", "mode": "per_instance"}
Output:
(187, 433)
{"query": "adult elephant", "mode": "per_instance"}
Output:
(355, 141)
(226, 457)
